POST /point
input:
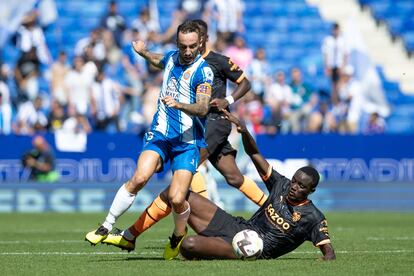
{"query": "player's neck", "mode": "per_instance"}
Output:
(300, 203)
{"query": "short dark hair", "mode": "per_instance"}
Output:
(202, 25)
(188, 27)
(313, 173)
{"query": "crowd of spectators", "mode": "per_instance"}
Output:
(107, 87)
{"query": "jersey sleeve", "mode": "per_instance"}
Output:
(203, 80)
(231, 70)
(319, 234)
(274, 180)
(165, 58)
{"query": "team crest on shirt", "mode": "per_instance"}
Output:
(296, 216)
(187, 74)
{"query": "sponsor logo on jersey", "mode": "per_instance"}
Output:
(172, 90)
(296, 216)
(276, 219)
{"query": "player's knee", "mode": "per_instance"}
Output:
(188, 247)
(235, 180)
(176, 201)
(138, 181)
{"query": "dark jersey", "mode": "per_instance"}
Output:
(283, 226)
(223, 69)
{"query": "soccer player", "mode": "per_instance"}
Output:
(286, 220)
(176, 132)
(219, 151)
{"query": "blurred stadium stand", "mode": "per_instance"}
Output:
(290, 31)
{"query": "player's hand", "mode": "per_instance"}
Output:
(219, 104)
(170, 102)
(139, 46)
(233, 119)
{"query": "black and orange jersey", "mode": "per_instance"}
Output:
(284, 226)
(223, 69)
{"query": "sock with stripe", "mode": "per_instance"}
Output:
(198, 184)
(250, 189)
(156, 211)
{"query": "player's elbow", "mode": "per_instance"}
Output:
(203, 110)
(247, 84)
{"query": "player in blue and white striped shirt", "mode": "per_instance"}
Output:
(177, 131)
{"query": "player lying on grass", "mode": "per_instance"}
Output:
(285, 221)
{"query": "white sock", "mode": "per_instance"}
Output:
(180, 221)
(122, 201)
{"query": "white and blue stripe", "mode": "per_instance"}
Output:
(180, 82)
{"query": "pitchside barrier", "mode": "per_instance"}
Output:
(357, 172)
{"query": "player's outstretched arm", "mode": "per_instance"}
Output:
(199, 108)
(249, 144)
(141, 49)
(327, 251)
(242, 88)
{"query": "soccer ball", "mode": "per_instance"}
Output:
(247, 244)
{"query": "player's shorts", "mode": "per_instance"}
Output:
(225, 226)
(217, 133)
(183, 156)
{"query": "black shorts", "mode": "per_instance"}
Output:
(217, 134)
(225, 226)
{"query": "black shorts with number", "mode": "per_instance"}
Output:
(217, 133)
(225, 226)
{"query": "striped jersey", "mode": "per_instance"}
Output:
(180, 82)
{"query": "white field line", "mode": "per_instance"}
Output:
(390, 238)
(60, 241)
(157, 253)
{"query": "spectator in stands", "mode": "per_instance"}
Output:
(94, 40)
(106, 103)
(278, 96)
(144, 24)
(320, 118)
(192, 9)
(30, 118)
(114, 22)
(301, 105)
(56, 116)
(239, 53)
(113, 53)
(258, 73)
(335, 53)
(375, 125)
(78, 84)
(26, 75)
(251, 110)
(229, 17)
(30, 36)
(5, 103)
(41, 161)
(76, 124)
(59, 70)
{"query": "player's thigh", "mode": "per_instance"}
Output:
(179, 186)
(201, 247)
(148, 163)
(202, 212)
(227, 166)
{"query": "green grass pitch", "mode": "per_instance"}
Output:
(53, 244)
